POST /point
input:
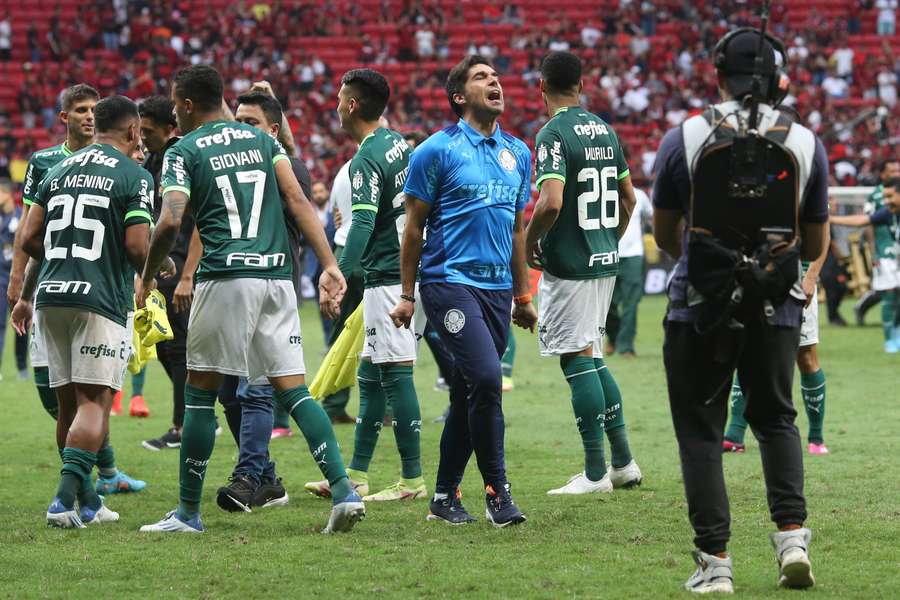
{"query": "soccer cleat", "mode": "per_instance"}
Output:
(441, 385)
(713, 575)
(120, 483)
(322, 489)
(172, 523)
(237, 496)
(170, 439)
(400, 491)
(449, 510)
(218, 428)
(280, 432)
(101, 515)
(346, 512)
(137, 407)
(791, 553)
(627, 476)
(24, 375)
(116, 408)
(58, 515)
(443, 417)
(501, 511)
(580, 484)
(729, 446)
(269, 493)
(818, 448)
(891, 346)
(507, 384)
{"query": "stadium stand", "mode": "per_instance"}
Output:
(646, 67)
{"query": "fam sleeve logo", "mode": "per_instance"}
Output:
(357, 181)
(542, 154)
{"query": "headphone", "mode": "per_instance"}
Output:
(778, 83)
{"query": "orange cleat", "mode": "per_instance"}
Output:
(137, 407)
(116, 409)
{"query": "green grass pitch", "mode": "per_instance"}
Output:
(631, 544)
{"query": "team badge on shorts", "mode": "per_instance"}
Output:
(507, 160)
(454, 320)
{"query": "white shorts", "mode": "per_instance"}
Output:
(572, 313)
(246, 327)
(809, 326)
(384, 342)
(885, 275)
(83, 347)
(38, 348)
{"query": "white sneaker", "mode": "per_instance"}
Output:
(626, 477)
(713, 575)
(791, 552)
(60, 516)
(172, 524)
(580, 484)
(101, 515)
(346, 514)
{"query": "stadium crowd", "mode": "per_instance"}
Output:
(646, 63)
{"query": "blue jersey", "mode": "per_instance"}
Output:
(9, 222)
(475, 185)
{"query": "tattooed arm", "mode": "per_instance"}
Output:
(162, 241)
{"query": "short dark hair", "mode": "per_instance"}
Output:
(159, 110)
(456, 80)
(561, 71)
(270, 106)
(76, 93)
(112, 112)
(201, 84)
(370, 89)
(884, 164)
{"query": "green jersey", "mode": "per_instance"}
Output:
(885, 247)
(377, 174)
(228, 171)
(41, 162)
(90, 198)
(581, 150)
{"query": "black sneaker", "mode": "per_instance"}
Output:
(449, 509)
(170, 439)
(269, 493)
(501, 510)
(237, 495)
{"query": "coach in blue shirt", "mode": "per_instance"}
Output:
(469, 184)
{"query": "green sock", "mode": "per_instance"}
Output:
(316, 428)
(398, 386)
(106, 461)
(47, 395)
(615, 419)
(589, 403)
(888, 313)
(737, 426)
(137, 382)
(812, 387)
(509, 356)
(198, 437)
(77, 466)
(372, 402)
(282, 419)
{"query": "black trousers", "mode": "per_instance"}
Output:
(698, 394)
(172, 357)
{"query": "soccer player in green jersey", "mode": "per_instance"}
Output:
(77, 103)
(586, 199)
(885, 274)
(377, 174)
(89, 219)
(244, 319)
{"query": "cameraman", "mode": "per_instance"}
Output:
(698, 377)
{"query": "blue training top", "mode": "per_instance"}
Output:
(475, 185)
